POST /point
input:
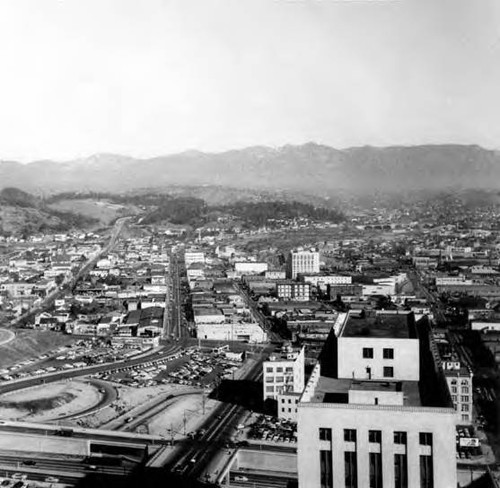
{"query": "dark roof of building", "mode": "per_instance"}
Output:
(381, 325)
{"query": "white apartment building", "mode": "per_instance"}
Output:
(191, 257)
(303, 262)
(370, 416)
(283, 372)
(231, 331)
(293, 290)
(322, 281)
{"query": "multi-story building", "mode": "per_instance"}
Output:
(191, 257)
(303, 262)
(376, 411)
(250, 267)
(459, 380)
(283, 372)
(293, 290)
(322, 281)
(458, 377)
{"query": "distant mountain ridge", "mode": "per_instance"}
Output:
(309, 167)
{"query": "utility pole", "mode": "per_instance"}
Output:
(184, 421)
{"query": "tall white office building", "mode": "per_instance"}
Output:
(303, 262)
(376, 411)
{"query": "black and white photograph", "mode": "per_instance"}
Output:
(250, 243)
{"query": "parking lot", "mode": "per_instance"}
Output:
(189, 368)
(272, 429)
(79, 355)
(468, 445)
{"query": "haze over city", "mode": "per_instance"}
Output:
(159, 77)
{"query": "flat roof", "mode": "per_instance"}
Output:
(381, 325)
(336, 390)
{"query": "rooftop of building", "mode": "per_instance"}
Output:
(336, 390)
(324, 385)
(384, 325)
(286, 353)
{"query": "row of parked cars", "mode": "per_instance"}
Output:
(20, 480)
(79, 355)
(202, 370)
(272, 429)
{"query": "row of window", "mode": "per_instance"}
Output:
(279, 379)
(463, 398)
(465, 389)
(387, 353)
(375, 436)
(279, 369)
(375, 470)
(283, 400)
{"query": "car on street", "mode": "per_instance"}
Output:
(240, 478)
(19, 476)
(51, 479)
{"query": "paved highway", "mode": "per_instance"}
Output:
(61, 467)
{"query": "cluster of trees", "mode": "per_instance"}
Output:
(262, 213)
(182, 210)
(185, 210)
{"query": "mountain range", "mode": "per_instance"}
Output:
(309, 167)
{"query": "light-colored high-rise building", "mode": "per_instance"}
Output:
(376, 411)
(303, 262)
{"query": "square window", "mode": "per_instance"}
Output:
(375, 436)
(325, 434)
(388, 372)
(400, 438)
(349, 435)
(465, 407)
(269, 369)
(279, 370)
(368, 352)
(270, 388)
(388, 353)
(425, 438)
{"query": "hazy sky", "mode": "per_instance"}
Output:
(151, 77)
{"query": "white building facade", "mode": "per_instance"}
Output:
(303, 262)
(359, 427)
(283, 372)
